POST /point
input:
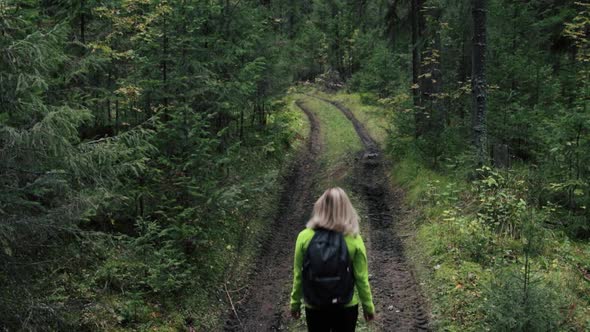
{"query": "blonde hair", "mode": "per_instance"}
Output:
(334, 211)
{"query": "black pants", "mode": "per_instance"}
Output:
(332, 320)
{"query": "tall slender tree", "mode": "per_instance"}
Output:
(478, 79)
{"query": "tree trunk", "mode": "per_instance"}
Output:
(241, 124)
(164, 65)
(478, 79)
(82, 24)
(418, 26)
(361, 9)
(429, 112)
(415, 51)
(291, 18)
(109, 116)
(501, 156)
(116, 116)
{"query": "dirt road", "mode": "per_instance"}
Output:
(397, 298)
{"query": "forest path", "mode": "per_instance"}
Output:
(397, 298)
(399, 304)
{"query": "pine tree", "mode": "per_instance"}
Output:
(478, 79)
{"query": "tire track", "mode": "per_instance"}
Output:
(266, 297)
(397, 297)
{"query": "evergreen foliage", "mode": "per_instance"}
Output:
(129, 134)
(141, 139)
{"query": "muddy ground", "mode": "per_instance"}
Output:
(399, 304)
(398, 301)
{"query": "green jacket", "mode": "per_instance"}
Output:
(358, 254)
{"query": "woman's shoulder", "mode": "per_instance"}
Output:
(353, 239)
(304, 238)
(306, 233)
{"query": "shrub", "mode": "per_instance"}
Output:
(501, 201)
(512, 306)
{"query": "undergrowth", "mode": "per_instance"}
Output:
(473, 243)
(473, 233)
(173, 269)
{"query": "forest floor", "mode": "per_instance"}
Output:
(263, 304)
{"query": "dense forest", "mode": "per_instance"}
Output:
(146, 148)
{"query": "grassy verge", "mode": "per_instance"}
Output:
(475, 274)
(472, 272)
(375, 118)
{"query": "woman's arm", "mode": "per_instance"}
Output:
(297, 292)
(361, 276)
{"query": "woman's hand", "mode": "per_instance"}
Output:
(369, 317)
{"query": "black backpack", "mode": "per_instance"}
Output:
(328, 278)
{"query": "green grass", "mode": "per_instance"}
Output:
(339, 135)
(447, 239)
(376, 119)
(340, 142)
(299, 122)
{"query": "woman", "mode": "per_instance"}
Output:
(333, 213)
